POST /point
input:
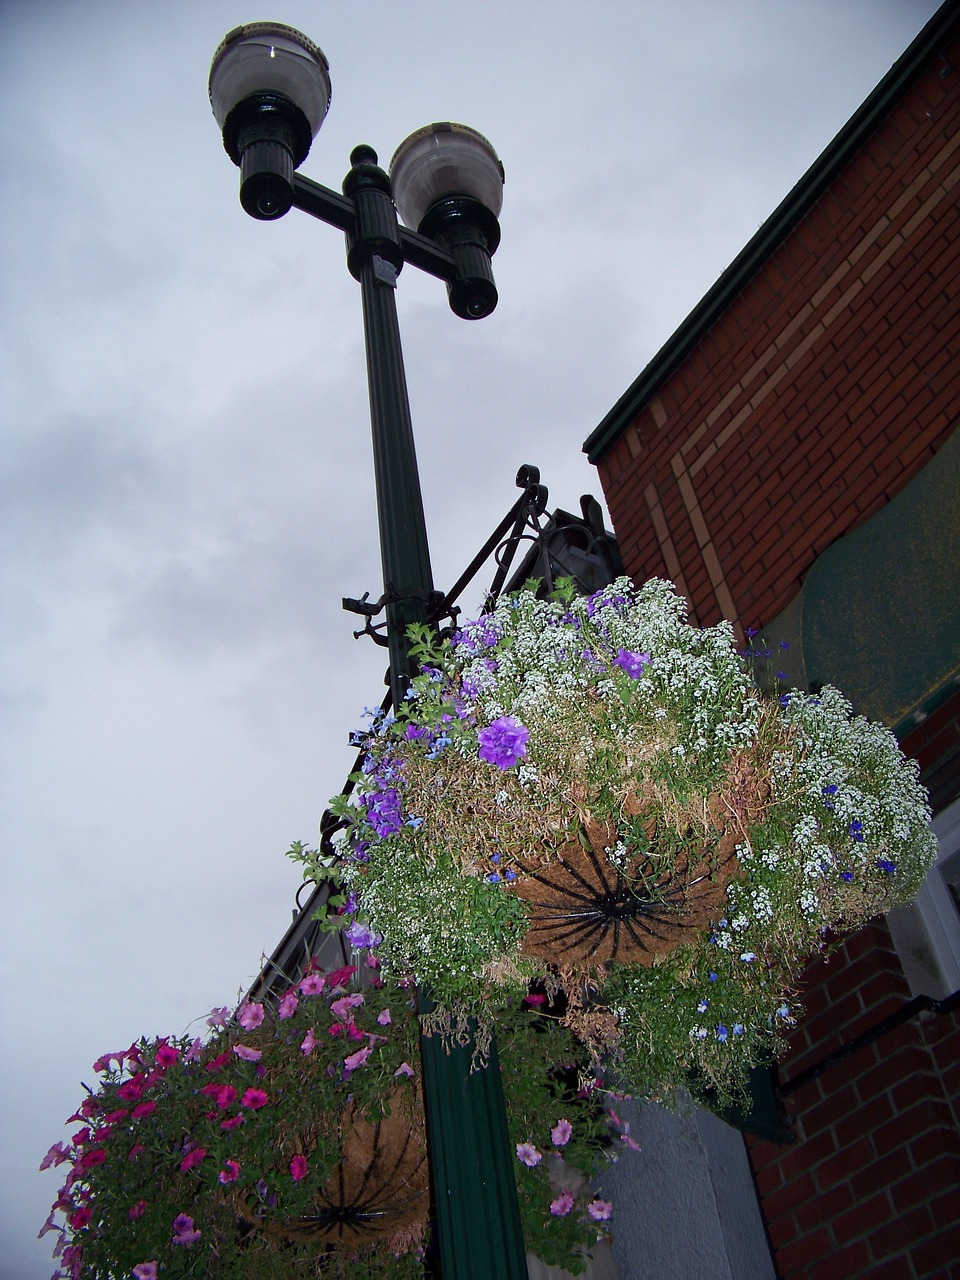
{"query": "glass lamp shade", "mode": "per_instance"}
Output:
(267, 57)
(440, 161)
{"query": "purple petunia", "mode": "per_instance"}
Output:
(631, 663)
(383, 811)
(503, 742)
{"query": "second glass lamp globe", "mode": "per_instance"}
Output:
(441, 161)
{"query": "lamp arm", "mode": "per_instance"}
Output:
(337, 211)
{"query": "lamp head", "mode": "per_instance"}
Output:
(447, 183)
(269, 91)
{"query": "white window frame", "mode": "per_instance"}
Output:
(927, 933)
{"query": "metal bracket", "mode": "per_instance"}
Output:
(437, 607)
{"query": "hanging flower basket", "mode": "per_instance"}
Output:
(591, 792)
(292, 1142)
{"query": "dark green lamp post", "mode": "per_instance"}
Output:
(270, 91)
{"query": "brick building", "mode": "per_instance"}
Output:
(790, 459)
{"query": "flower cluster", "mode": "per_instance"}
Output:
(216, 1148)
(253, 1153)
(592, 791)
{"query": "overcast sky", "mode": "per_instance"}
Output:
(187, 479)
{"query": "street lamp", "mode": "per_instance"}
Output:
(270, 90)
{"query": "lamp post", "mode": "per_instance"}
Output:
(270, 91)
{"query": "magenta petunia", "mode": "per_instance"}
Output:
(90, 1159)
(137, 1210)
(229, 1173)
(254, 1099)
(167, 1054)
(503, 742)
(337, 977)
(224, 1095)
(562, 1205)
(298, 1168)
(233, 1123)
(193, 1157)
(142, 1109)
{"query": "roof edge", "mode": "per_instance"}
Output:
(784, 218)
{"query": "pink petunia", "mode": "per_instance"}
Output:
(562, 1205)
(145, 1271)
(600, 1210)
(560, 1133)
(309, 1042)
(195, 1051)
(193, 1157)
(288, 1005)
(404, 1069)
(229, 1173)
(56, 1155)
(298, 1167)
(383, 1018)
(218, 1017)
(247, 1054)
(528, 1154)
(254, 1099)
(250, 1015)
(312, 984)
(341, 1008)
(50, 1225)
(354, 1060)
(634, 1146)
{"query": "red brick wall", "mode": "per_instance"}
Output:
(822, 390)
(871, 1188)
